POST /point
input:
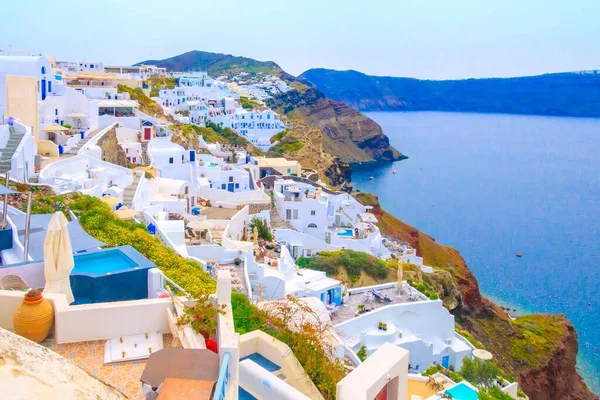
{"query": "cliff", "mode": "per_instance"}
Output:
(347, 134)
(575, 94)
(340, 134)
(538, 350)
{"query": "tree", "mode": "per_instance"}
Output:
(362, 353)
(263, 228)
(479, 372)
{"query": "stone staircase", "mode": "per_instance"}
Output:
(145, 157)
(129, 191)
(81, 143)
(9, 150)
(277, 222)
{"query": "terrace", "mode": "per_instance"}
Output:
(361, 296)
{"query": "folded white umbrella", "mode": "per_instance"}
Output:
(58, 257)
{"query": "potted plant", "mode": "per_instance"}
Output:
(362, 309)
(33, 319)
(237, 261)
(202, 316)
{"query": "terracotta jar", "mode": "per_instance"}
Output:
(33, 319)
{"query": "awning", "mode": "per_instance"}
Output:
(80, 239)
(4, 190)
(117, 103)
(200, 225)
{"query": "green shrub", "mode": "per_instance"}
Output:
(479, 372)
(352, 261)
(263, 229)
(493, 393)
(362, 353)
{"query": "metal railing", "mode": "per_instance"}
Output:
(223, 381)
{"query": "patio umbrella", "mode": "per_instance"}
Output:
(196, 364)
(110, 200)
(55, 128)
(200, 225)
(58, 257)
(125, 213)
(76, 114)
(482, 354)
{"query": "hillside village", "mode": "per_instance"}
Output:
(176, 252)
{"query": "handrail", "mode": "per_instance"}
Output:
(176, 285)
(221, 387)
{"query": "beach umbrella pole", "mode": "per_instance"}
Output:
(27, 220)
(5, 206)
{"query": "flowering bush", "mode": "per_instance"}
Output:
(202, 316)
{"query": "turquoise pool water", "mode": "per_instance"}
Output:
(211, 165)
(345, 233)
(102, 262)
(462, 392)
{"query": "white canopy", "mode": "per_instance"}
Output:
(200, 225)
(58, 257)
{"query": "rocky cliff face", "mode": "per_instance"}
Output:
(347, 134)
(112, 152)
(538, 350)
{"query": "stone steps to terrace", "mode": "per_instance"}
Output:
(9, 150)
(81, 143)
(129, 191)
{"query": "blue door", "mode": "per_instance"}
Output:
(192, 155)
(445, 361)
(43, 87)
(230, 187)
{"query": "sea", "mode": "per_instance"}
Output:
(496, 185)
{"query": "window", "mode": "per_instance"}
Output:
(312, 225)
(91, 65)
(295, 214)
(289, 170)
(223, 186)
(231, 179)
(170, 160)
(43, 70)
(313, 212)
(237, 185)
(49, 86)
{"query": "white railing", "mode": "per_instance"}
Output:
(94, 141)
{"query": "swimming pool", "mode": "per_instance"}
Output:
(106, 275)
(345, 233)
(103, 262)
(212, 165)
(462, 391)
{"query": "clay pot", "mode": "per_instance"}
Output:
(33, 319)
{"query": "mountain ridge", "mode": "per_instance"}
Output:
(575, 94)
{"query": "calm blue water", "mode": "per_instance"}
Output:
(345, 233)
(102, 262)
(463, 392)
(496, 185)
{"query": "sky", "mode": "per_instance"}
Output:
(430, 39)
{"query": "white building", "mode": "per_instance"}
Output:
(424, 328)
(35, 66)
(335, 219)
(88, 175)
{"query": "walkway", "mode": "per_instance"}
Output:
(277, 222)
(129, 191)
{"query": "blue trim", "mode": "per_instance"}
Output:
(223, 381)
